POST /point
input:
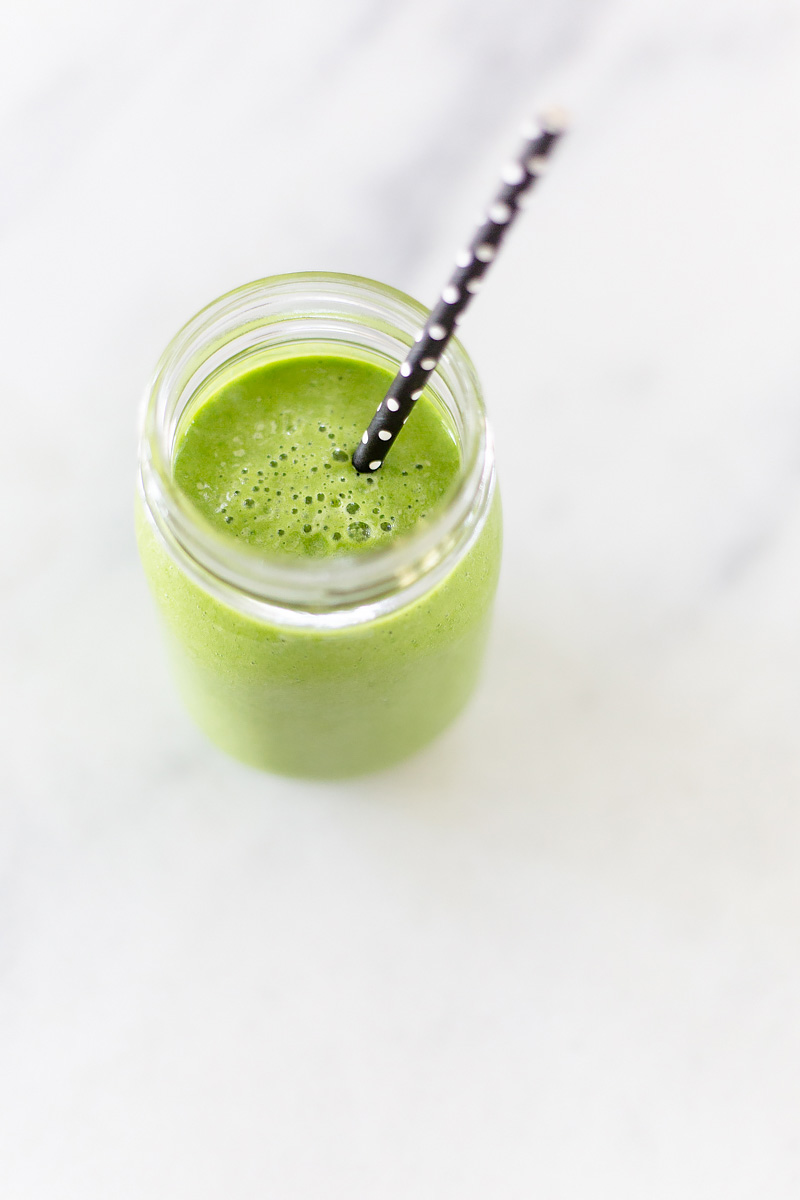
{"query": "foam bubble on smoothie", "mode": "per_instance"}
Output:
(266, 459)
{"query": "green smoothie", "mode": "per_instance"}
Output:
(263, 456)
(266, 459)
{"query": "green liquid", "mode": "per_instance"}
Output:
(319, 702)
(267, 460)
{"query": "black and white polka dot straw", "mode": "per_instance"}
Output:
(518, 177)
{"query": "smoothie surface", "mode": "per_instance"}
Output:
(266, 459)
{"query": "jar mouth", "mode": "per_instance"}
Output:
(286, 312)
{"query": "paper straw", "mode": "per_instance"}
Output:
(472, 263)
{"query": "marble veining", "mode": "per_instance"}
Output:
(556, 954)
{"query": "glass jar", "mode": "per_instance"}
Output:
(319, 667)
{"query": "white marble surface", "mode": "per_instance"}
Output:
(558, 954)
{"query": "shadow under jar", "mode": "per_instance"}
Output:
(307, 662)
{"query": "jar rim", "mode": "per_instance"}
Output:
(344, 588)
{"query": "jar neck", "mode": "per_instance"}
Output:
(280, 317)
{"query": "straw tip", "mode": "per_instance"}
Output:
(554, 119)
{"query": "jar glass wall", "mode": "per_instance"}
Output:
(318, 667)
